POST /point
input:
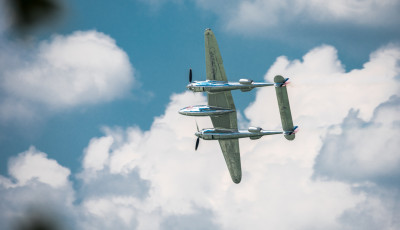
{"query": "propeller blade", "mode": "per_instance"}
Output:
(197, 126)
(190, 75)
(197, 143)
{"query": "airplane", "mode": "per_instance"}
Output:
(222, 111)
(216, 86)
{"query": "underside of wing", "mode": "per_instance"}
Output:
(230, 149)
(215, 71)
(214, 66)
(223, 100)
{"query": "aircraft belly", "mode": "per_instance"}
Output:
(202, 114)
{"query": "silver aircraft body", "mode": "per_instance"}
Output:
(218, 86)
(204, 110)
(222, 111)
(224, 134)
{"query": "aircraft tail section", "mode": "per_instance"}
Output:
(284, 107)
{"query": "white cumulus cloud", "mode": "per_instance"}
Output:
(323, 91)
(34, 165)
(37, 187)
(83, 68)
(254, 15)
(368, 150)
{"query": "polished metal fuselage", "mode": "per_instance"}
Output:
(211, 86)
(223, 134)
(204, 110)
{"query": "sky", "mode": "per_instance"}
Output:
(90, 135)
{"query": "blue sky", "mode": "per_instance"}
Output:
(93, 101)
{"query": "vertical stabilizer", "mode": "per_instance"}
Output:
(284, 107)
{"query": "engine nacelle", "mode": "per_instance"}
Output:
(255, 129)
(245, 81)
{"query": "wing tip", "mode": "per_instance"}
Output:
(237, 178)
(208, 31)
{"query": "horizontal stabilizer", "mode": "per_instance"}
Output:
(284, 107)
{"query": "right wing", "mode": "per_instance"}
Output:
(215, 71)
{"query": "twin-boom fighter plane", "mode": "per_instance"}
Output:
(221, 108)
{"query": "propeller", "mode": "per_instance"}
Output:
(198, 138)
(190, 75)
(197, 143)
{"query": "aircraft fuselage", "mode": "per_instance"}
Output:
(223, 134)
(211, 86)
(204, 110)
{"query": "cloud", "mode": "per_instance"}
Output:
(97, 153)
(153, 179)
(84, 68)
(361, 156)
(267, 15)
(34, 165)
(324, 92)
(4, 24)
(37, 187)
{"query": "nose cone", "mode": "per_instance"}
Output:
(189, 86)
(197, 134)
(182, 111)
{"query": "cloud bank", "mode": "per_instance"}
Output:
(300, 17)
(84, 68)
(341, 172)
(265, 14)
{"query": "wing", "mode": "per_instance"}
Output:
(215, 71)
(230, 149)
(214, 67)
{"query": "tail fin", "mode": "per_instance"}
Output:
(290, 135)
(284, 107)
